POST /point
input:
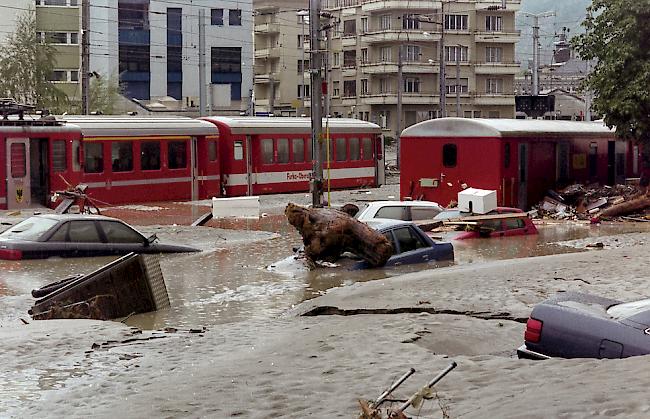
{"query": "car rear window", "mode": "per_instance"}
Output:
(29, 229)
(625, 310)
(424, 213)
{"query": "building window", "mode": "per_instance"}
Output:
(493, 23)
(494, 86)
(303, 65)
(226, 69)
(412, 85)
(134, 16)
(493, 54)
(364, 86)
(150, 155)
(364, 56)
(350, 88)
(336, 89)
(449, 155)
(456, 22)
(122, 156)
(386, 54)
(467, 114)
(216, 17)
(477, 114)
(93, 157)
(384, 85)
(457, 53)
(364, 25)
(350, 27)
(336, 60)
(177, 155)
(350, 58)
(413, 53)
(410, 21)
(385, 22)
(453, 85)
(59, 157)
(64, 38)
(234, 17)
(303, 90)
(71, 3)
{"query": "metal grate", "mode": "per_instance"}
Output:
(154, 276)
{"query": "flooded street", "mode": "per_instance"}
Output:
(234, 284)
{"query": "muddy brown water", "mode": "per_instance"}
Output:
(214, 287)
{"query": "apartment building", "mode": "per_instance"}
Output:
(153, 47)
(281, 57)
(478, 38)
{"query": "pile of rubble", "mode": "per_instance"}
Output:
(629, 202)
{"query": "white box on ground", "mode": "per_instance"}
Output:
(478, 201)
(238, 207)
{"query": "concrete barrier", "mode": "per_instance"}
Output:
(238, 207)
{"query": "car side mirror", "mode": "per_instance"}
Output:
(151, 239)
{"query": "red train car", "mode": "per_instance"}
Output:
(140, 159)
(32, 151)
(273, 155)
(520, 159)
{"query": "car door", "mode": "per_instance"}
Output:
(410, 247)
(84, 239)
(121, 238)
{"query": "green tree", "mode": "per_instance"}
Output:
(26, 64)
(104, 95)
(617, 38)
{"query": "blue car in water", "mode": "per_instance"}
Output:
(410, 244)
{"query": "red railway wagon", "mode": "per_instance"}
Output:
(31, 152)
(139, 159)
(520, 159)
(273, 155)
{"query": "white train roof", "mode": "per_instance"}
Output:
(287, 125)
(467, 127)
(112, 126)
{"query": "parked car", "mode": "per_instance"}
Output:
(411, 245)
(69, 235)
(400, 210)
(490, 227)
(577, 325)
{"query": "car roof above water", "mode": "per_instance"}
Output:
(67, 217)
(385, 223)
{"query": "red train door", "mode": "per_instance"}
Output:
(18, 174)
(209, 173)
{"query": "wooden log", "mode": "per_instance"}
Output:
(629, 207)
(328, 233)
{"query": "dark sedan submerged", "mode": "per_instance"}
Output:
(575, 325)
(68, 235)
(411, 245)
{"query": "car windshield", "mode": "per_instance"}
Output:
(625, 310)
(29, 229)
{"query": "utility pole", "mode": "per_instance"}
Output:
(536, 48)
(202, 86)
(400, 89)
(443, 82)
(316, 78)
(85, 57)
(458, 83)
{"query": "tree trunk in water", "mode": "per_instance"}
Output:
(327, 233)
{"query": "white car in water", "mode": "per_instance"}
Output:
(400, 210)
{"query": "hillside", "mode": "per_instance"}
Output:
(568, 13)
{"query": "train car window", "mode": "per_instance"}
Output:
(18, 160)
(239, 150)
(212, 151)
(366, 147)
(329, 152)
(449, 155)
(355, 151)
(266, 145)
(76, 155)
(506, 155)
(59, 157)
(283, 150)
(122, 156)
(341, 149)
(150, 155)
(177, 155)
(298, 146)
(93, 157)
(309, 153)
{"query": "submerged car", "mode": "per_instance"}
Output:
(577, 325)
(400, 210)
(410, 244)
(68, 235)
(485, 225)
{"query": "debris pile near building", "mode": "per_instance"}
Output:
(584, 202)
